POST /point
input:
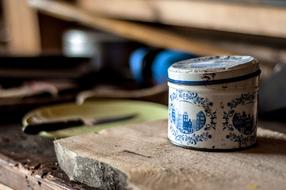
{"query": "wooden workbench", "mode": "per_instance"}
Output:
(29, 162)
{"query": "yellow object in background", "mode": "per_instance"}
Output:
(146, 111)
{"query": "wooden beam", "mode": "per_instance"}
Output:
(22, 27)
(149, 35)
(233, 17)
(158, 37)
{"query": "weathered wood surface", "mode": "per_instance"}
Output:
(29, 162)
(140, 157)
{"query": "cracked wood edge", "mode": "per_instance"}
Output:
(15, 176)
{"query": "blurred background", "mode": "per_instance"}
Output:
(57, 55)
(55, 51)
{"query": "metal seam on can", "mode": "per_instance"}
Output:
(213, 82)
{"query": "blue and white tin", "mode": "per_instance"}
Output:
(213, 102)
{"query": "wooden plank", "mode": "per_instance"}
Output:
(22, 26)
(225, 16)
(140, 157)
(139, 32)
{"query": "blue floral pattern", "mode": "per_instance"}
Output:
(243, 141)
(244, 123)
(190, 139)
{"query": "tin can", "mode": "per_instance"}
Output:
(213, 102)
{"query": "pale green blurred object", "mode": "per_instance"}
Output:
(146, 111)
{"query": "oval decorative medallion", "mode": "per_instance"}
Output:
(244, 123)
(190, 127)
(185, 124)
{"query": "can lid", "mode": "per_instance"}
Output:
(213, 70)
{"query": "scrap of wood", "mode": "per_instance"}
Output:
(135, 31)
(141, 157)
(224, 16)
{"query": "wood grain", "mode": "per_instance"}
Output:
(141, 157)
(224, 16)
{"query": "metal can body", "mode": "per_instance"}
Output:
(217, 114)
